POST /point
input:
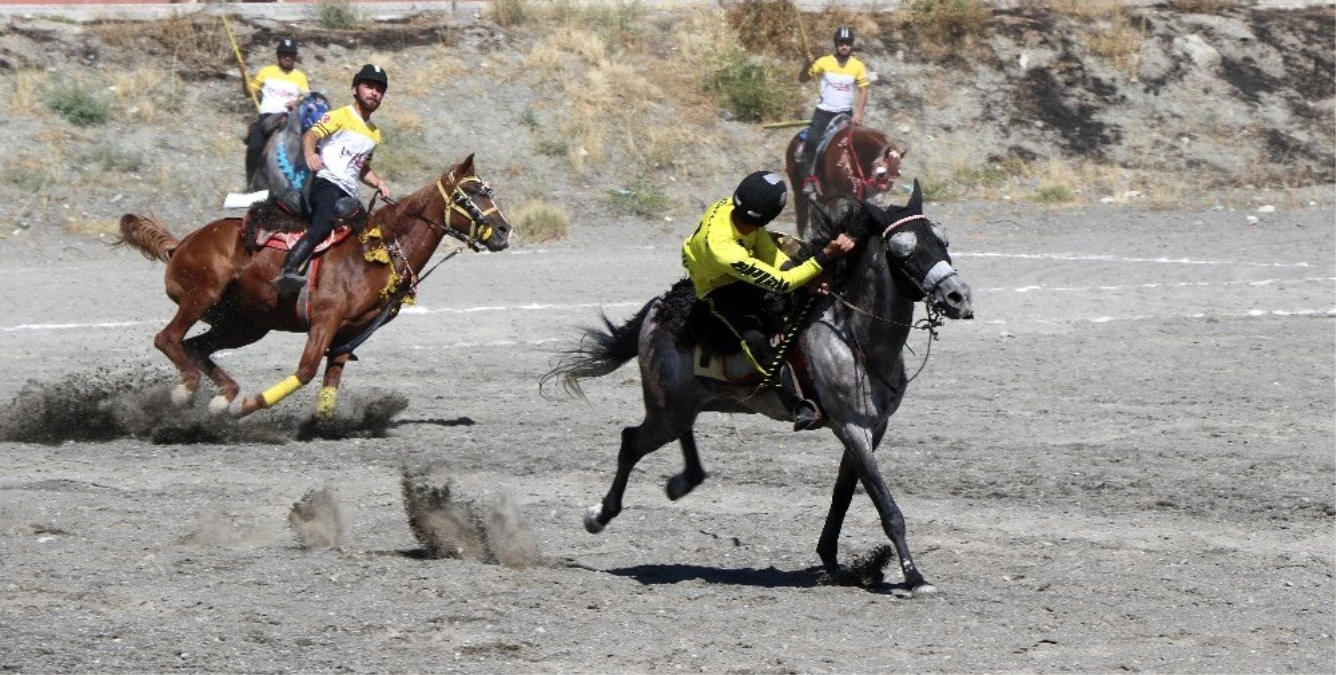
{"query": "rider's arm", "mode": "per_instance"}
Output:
(805, 75)
(370, 178)
(758, 272)
(313, 160)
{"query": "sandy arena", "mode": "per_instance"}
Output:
(1124, 463)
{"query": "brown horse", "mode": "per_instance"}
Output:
(859, 161)
(213, 275)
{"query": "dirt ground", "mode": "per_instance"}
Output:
(1124, 463)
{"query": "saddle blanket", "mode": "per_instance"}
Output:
(732, 368)
(284, 241)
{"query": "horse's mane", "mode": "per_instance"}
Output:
(391, 214)
(849, 216)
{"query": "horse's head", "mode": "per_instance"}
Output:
(311, 108)
(471, 210)
(915, 247)
(880, 162)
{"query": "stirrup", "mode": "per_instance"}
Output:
(811, 185)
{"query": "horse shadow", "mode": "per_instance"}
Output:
(769, 577)
(461, 421)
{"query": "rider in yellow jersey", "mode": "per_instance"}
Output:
(338, 149)
(279, 87)
(844, 82)
(733, 261)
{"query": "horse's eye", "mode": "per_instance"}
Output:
(902, 244)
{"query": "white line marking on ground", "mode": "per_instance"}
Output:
(1178, 284)
(1111, 258)
(63, 326)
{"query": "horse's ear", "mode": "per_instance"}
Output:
(466, 166)
(916, 198)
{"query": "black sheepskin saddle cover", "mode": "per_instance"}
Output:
(691, 323)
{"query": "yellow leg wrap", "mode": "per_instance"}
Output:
(324, 403)
(281, 390)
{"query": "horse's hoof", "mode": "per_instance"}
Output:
(219, 404)
(240, 407)
(591, 519)
(924, 589)
(182, 395)
(679, 487)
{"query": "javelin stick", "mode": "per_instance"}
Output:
(802, 30)
(241, 63)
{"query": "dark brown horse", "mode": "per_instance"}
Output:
(859, 162)
(213, 275)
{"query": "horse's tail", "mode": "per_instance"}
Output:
(146, 236)
(599, 352)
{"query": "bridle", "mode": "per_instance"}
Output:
(860, 180)
(460, 201)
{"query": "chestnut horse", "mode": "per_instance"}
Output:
(859, 162)
(214, 276)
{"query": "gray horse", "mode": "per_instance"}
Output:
(853, 363)
(284, 163)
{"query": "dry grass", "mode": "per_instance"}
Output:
(25, 96)
(145, 91)
(538, 221)
(945, 27)
(1205, 6)
(1118, 42)
(192, 40)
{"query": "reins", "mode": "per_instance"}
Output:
(461, 203)
(930, 323)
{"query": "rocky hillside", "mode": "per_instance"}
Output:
(604, 116)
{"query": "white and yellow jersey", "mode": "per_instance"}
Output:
(345, 142)
(838, 82)
(277, 88)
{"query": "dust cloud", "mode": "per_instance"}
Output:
(135, 402)
(451, 522)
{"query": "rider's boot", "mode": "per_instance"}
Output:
(806, 414)
(290, 281)
(807, 169)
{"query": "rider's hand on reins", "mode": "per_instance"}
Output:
(838, 246)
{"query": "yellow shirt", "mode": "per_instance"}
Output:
(716, 255)
(345, 142)
(277, 88)
(837, 82)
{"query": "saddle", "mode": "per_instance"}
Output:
(717, 353)
(836, 125)
(278, 222)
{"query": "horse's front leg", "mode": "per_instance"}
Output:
(858, 445)
(317, 343)
(329, 389)
(693, 473)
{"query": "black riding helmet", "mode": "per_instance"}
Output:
(287, 46)
(844, 34)
(371, 73)
(759, 198)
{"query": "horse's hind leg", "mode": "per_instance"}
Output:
(693, 473)
(637, 442)
(232, 334)
(169, 342)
